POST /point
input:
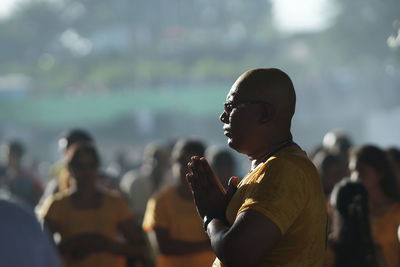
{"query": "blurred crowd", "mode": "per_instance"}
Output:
(86, 215)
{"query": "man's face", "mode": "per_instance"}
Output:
(241, 120)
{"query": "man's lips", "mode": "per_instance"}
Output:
(227, 132)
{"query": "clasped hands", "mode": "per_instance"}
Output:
(210, 196)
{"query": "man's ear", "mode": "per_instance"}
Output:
(267, 113)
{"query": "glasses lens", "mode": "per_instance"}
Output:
(228, 107)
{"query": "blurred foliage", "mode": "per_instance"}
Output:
(126, 43)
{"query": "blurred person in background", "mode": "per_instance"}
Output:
(139, 185)
(351, 243)
(171, 215)
(22, 241)
(332, 167)
(96, 227)
(394, 157)
(20, 182)
(370, 165)
(223, 163)
(337, 142)
(60, 179)
(119, 165)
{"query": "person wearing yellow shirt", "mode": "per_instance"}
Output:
(96, 227)
(276, 215)
(171, 215)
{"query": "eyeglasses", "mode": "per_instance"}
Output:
(229, 106)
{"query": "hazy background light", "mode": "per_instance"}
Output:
(7, 7)
(302, 16)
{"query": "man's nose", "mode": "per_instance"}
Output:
(224, 117)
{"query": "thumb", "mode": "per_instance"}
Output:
(232, 187)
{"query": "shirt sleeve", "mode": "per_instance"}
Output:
(156, 214)
(278, 192)
(49, 210)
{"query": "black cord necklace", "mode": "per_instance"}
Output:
(278, 147)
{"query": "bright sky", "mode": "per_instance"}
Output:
(289, 15)
(7, 6)
(305, 15)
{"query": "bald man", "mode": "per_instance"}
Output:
(276, 215)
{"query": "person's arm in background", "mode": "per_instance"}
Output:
(252, 234)
(169, 246)
(134, 246)
(53, 228)
(86, 243)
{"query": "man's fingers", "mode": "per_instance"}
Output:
(207, 172)
(232, 187)
(198, 172)
(212, 177)
(233, 181)
(189, 178)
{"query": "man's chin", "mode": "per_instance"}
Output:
(232, 144)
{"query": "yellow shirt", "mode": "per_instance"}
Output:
(103, 220)
(287, 190)
(384, 232)
(179, 217)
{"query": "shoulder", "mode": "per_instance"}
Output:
(112, 196)
(163, 196)
(59, 198)
(17, 218)
(13, 209)
(53, 203)
(295, 157)
(291, 161)
(21, 224)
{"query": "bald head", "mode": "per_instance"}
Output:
(270, 85)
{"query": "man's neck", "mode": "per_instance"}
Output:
(269, 150)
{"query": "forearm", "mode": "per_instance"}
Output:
(218, 232)
(246, 242)
(177, 247)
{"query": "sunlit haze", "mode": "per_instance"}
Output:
(306, 15)
(7, 7)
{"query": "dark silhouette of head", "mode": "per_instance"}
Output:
(183, 150)
(331, 168)
(337, 142)
(155, 163)
(14, 151)
(374, 159)
(83, 162)
(74, 136)
(351, 238)
(394, 157)
(223, 163)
